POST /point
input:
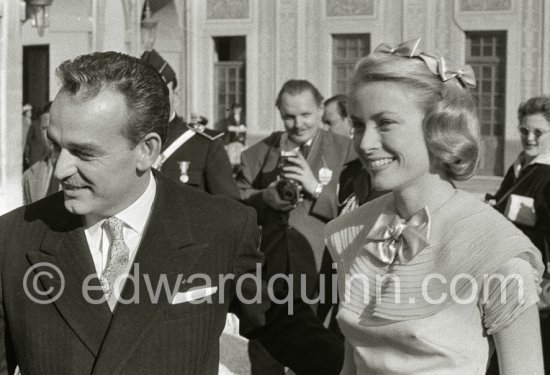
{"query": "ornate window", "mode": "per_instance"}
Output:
(486, 53)
(347, 50)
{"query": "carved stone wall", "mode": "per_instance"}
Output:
(338, 8)
(287, 42)
(392, 14)
(132, 15)
(414, 22)
(531, 50)
(445, 35)
(267, 69)
(227, 9)
(485, 5)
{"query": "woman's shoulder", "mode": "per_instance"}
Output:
(477, 238)
(466, 213)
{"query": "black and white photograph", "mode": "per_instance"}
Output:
(275, 187)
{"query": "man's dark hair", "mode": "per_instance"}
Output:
(534, 106)
(341, 104)
(297, 86)
(142, 87)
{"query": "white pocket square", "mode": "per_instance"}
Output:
(194, 294)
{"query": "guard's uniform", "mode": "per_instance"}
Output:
(201, 161)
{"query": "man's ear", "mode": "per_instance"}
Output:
(148, 149)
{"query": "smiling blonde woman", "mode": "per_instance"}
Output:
(430, 279)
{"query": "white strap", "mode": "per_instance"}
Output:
(172, 148)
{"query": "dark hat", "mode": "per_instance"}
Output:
(156, 61)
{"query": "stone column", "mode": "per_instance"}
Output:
(531, 47)
(11, 97)
(132, 21)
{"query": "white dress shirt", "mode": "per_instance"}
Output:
(135, 218)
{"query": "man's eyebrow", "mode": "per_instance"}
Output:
(380, 114)
(91, 147)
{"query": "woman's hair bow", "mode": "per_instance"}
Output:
(437, 65)
(406, 49)
(465, 76)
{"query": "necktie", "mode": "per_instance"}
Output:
(118, 255)
(393, 239)
(304, 149)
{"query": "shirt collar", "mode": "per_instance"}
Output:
(543, 158)
(134, 216)
(172, 116)
(287, 144)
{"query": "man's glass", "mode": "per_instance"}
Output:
(536, 132)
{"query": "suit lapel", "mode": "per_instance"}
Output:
(167, 251)
(65, 247)
(315, 156)
(269, 169)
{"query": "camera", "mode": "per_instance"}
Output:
(289, 190)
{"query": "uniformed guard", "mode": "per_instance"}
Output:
(193, 154)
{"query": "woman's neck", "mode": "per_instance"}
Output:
(427, 191)
(526, 159)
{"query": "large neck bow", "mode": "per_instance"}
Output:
(395, 240)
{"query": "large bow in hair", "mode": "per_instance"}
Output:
(393, 239)
(406, 49)
(465, 76)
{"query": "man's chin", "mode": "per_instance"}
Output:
(75, 207)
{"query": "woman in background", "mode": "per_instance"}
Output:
(524, 195)
(431, 280)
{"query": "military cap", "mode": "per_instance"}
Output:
(156, 61)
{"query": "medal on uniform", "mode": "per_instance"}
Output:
(184, 166)
(325, 175)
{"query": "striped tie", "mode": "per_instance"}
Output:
(118, 255)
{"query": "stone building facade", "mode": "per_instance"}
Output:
(228, 51)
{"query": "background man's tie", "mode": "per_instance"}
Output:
(304, 149)
(118, 255)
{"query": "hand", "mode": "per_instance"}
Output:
(301, 172)
(271, 197)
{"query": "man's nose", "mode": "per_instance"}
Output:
(531, 137)
(64, 164)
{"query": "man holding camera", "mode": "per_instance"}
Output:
(290, 178)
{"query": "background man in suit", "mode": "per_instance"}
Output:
(336, 115)
(38, 180)
(201, 161)
(65, 308)
(292, 231)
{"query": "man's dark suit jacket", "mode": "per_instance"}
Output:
(188, 233)
(209, 168)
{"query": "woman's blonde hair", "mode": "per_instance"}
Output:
(451, 128)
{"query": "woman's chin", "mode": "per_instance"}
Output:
(531, 152)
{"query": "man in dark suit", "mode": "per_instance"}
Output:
(292, 229)
(201, 160)
(121, 272)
